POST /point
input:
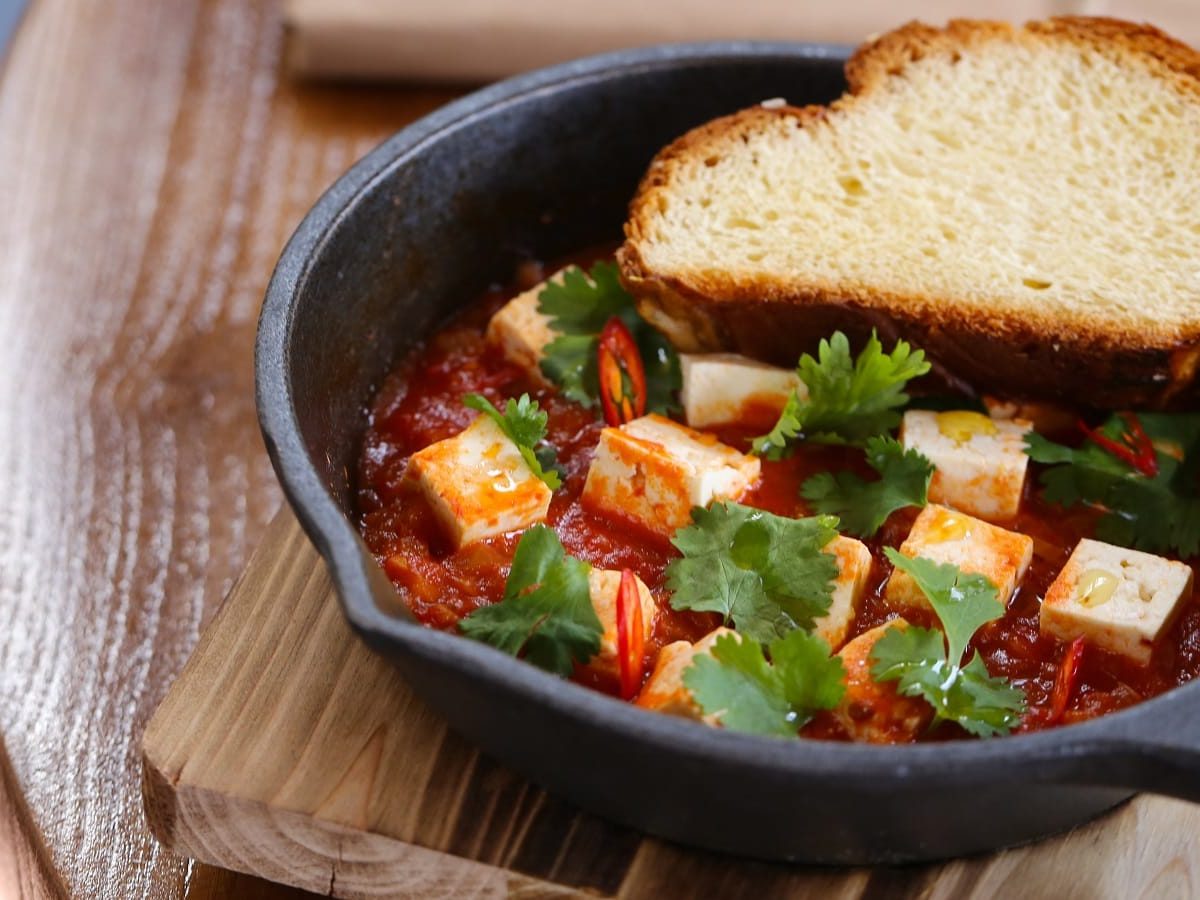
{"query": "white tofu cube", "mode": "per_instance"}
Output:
(521, 332)
(665, 691)
(976, 547)
(871, 711)
(1118, 600)
(478, 485)
(980, 462)
(854, 568)
(652, 471)
(729, 389)
(603, 585)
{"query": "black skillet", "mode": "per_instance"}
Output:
(542, 165)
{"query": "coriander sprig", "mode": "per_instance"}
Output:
(546, 614)
(736, 684)
(524, 424)
(863, 506)
(925, 663)
(845, 400)
(766, 574)
(1157, 514)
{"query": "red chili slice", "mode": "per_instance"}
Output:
(622, 374)
(1134, 447)
(631, 638)
(1066, 681)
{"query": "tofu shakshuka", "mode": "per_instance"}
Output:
(845, 550)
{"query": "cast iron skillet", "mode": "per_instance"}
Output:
(542, 165)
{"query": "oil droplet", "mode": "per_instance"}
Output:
(502, 481)
(962, 425)
(949, 527)
(1096, 587)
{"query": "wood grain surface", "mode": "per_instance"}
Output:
(308, 760)
(152, 164)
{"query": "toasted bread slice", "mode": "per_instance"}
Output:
(1023, 203)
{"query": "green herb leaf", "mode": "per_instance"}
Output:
(546, 614)
(983, 705)
(1158, 514)
(963, 602)
(525, 425)
(812, 678)
(743, 691)
(849, 400)
(925, 663)
(863, 506)
(766, 574)
(579, 305)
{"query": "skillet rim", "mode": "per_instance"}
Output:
(1050, 756)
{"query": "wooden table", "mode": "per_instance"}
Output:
(152, 164)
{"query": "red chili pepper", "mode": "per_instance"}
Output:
(1134, 447)
(1065, 681)
(631, 638)
(622, 374)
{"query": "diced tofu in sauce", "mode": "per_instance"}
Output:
(979, 461)
(665, 691)
(730, 389)
(521, 332)
(478, 485)
(875, 712)
(652, 471)
(604, 585)
(1116, 599)
(977, 547)
(854, 568)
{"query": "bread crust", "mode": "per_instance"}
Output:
(1053, 355)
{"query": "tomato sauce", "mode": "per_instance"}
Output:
(420, 402)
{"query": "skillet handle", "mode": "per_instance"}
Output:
(1157, 753)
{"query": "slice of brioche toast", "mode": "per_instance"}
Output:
(1023, 203)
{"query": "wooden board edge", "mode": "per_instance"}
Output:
(295, 849)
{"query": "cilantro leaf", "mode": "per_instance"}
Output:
(546, 613)
(981, 704)
(736, 684)
(774, 444)
(812, 679)
(766, 574)
(963, 602)
(1157, 514)
(925, 663)
(525, 425)
(863, 506)
(579, 305)
(848, 400)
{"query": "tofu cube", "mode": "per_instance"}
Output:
(521, 332)
(1118, 600)
(976, 547)
(478, 485)
(980, 462)
(854, 568)
(729, 389)
(665, 691)
(871, 711)
(652, 471)
(603, 585)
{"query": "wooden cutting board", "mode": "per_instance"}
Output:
(288, 750)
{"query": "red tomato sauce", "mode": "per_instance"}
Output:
(420, 402)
